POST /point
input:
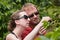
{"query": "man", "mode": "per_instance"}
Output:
(33, 14)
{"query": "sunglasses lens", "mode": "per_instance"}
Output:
(36, 13)
(26, 17)
(31, 15)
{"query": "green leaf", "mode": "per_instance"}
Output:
(44, 38)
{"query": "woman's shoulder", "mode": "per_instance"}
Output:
(10, 36)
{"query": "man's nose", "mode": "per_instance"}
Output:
(35, 16)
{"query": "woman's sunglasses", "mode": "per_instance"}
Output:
(25, 17)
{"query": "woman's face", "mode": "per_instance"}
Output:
(24, 20)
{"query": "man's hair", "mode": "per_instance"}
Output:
(27, 5)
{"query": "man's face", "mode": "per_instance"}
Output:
(34, 15)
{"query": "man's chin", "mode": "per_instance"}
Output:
(35, 23)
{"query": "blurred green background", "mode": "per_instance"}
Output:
(45, 7)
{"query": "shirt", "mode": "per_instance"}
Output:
(26, 32)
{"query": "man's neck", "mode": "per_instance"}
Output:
(32, 25)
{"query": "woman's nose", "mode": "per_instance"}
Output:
(28, 19)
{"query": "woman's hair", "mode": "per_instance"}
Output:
(12, 24)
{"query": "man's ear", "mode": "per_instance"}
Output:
(17, 21)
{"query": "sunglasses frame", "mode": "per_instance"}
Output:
(25, 16)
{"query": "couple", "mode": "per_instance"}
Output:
(25, 24)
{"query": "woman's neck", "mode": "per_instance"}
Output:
(18, 30)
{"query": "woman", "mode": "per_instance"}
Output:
(18, 23)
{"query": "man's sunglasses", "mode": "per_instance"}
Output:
(36, 13)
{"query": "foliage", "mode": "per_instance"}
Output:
(41, 38)
(45, 7)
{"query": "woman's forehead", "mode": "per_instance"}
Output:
(22, 13)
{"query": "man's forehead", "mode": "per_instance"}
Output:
(32, 10)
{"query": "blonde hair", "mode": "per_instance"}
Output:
(26, 5)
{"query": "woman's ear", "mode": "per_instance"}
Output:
(17, 21)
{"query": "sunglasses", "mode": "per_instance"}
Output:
(36, 13)
(25, 17)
